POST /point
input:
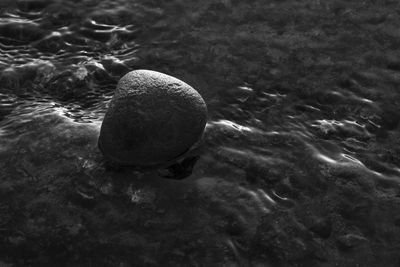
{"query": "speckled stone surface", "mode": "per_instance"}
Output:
(152, 119)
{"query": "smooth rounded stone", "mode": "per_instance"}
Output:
(152, 120)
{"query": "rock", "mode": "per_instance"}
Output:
(322, 227)
(179, 170)
(152, 120)
(350, 241)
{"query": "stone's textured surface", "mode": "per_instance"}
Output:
(152, 119)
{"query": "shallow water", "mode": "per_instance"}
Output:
(300, 161)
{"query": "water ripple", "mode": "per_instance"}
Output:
(300, 149)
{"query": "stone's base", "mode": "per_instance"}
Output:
(152, 120)
(179, 170)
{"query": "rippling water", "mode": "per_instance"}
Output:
(300, 162)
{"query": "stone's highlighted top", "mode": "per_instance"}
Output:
(152, 120)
